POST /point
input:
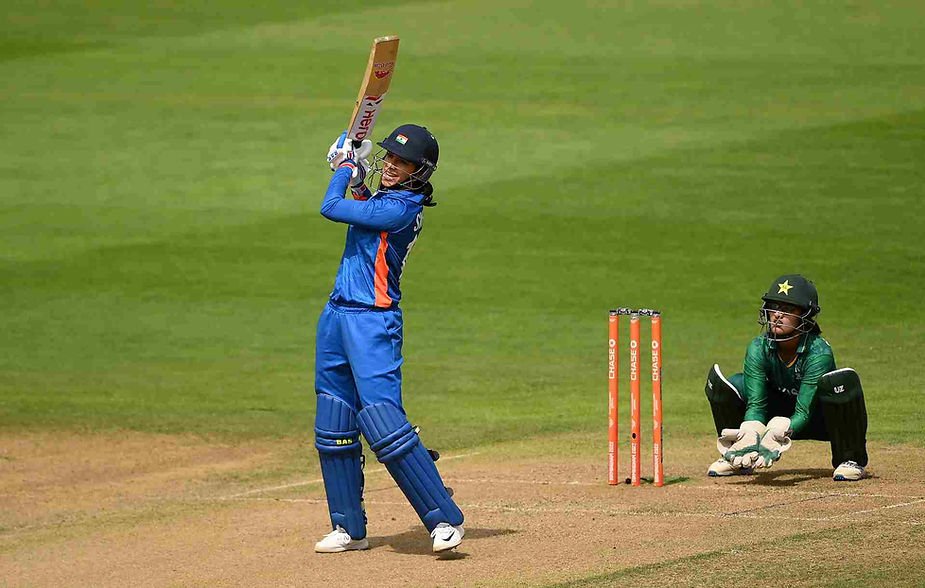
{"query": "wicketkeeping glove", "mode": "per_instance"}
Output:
(775, 442)
(740, 446)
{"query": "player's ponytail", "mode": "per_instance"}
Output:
(427, 190)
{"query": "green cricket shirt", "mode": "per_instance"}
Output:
(765, 374)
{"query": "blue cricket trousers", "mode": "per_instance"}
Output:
(358, 355)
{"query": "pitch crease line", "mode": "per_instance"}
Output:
(716, 488)
(603, 511)
(886, 507)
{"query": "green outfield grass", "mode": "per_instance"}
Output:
(163, 261)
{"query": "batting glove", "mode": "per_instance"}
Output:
(343, 149)
(339, 151)
(359, 169)
(775, 442)
(740, 446)
(360, 156)
(364, 149)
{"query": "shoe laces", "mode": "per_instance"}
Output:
(851, 464)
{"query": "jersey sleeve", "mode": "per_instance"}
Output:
(378, 214)
(756, 391)
(816, 365)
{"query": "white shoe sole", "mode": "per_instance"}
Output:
(352, 546)
(447, 546)
(454, 541)
(842, 478)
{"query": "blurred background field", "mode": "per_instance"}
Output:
(163, 261)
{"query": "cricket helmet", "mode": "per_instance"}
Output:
(795, 290)
(415, 144)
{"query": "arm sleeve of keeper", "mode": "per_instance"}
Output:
(378, 214)
(816, 366)
(756, 392)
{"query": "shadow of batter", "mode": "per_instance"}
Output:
(416, 541)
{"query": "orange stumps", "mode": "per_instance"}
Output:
(635, 466)
(635, 376)
(659, 474)
(613, 375)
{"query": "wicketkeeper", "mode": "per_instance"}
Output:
(789, 389)
(358, 353)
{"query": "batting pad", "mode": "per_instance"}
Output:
(337, 439)
(399, 448)
(841, 399)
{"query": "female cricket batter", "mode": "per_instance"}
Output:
(358, 353)
(790, 389)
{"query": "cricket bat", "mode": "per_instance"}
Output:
(375, 85)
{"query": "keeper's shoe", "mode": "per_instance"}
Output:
(339, 540)
(446, 536)
(721, 468)
(848, 471)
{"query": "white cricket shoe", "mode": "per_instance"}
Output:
(446, 536)
(848, 471)
(721, 468)
(339, 540)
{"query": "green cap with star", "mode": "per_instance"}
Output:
(794, 289)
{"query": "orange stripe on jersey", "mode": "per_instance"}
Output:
(381, 281)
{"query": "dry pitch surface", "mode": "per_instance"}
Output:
(146, 510)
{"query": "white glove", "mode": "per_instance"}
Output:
(339, 151)
(740, 446)
(775, 442)
(361, 168)
(363, 151)
(342, 149)
(360, 157)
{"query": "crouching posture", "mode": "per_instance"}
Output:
(789, 389)
(358, 352)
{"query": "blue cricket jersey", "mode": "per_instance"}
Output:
(382, 230)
